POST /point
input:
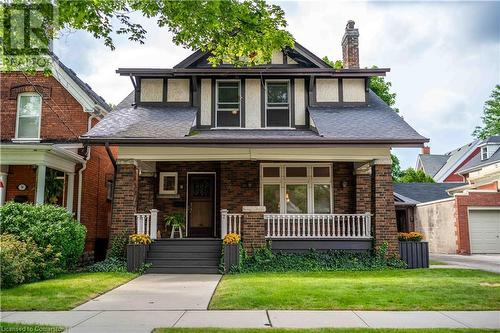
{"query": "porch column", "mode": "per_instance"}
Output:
(384, 221)
(124, 198)
(253, 227)
(363, 188)
(69, 192)
(4, 172)
(40, 184)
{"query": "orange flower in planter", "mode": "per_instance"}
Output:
(413, 236)
(139, 239)
(232, 238)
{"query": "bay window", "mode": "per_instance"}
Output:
(29, 110)
(228, 104)
(277, 103)
(288, 188)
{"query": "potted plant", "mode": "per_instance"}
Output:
(137, 249)
(231, 251)
(412, 250)
(176, 222)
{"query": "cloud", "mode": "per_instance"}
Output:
(444, 57)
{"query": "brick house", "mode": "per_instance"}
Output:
(294, 151)
(42, 119)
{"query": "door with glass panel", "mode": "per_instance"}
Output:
(228, 113)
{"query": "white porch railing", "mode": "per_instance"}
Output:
(318, 225)
(230, 223)
(147, 223)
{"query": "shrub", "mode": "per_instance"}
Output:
(232, 238)
(109, 264)
(140, 239)
(264, 260)
(48, 226)
(118, 249)
(18, 260)
(410, 236)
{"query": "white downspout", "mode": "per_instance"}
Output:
(80, 172)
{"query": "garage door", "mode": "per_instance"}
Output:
(484, 231)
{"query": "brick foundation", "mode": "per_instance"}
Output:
(254, 230)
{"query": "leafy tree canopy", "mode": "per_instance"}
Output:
(491, 116)
(411, 175)
(395, 168)
(337, 64)
(239, 32)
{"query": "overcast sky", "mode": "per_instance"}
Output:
(444, 57)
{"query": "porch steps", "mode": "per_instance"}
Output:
(184, 256)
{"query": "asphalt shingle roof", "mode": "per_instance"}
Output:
(432, 163)
(375, 121)
(476, 162)
(424, 192)
(454, 157)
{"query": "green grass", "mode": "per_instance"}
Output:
(61, 293)
(418, 289)
(15, 327)
(319, 330)
(435, 262)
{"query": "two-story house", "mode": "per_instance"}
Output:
(293, 151)
(41, 157)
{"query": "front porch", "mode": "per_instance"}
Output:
(296, 204)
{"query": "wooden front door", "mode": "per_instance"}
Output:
(201, 205)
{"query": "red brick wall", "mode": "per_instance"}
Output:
(124, 199)
(462, 203)
(21, 174)
(62, 116)
(363, 193)
(344, 198)
(254, 231)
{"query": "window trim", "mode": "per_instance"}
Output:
(289, 103)
(484, 151)
(32, 94)
(161, 177)
(216, 109)
(283, 181)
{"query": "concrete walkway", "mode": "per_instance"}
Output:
(153, 292)
(145, 321)
(485, 262)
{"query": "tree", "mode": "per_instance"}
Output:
(491, 116)
(395, 168)
(382, 89)
(411, 175)
(239, 32)
(337, 64)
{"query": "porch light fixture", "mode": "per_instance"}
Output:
(344, 184)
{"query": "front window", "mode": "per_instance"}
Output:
(277, 104)
(29, 109)
(296, 188)
(228, 104)
(168, 183)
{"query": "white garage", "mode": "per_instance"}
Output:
(484, 230)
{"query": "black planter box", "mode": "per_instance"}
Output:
(415, 254)
(231, 256)
(136, 256)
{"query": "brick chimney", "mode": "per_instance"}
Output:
(426, 150)
(350, 49)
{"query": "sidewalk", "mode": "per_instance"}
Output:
(145, 321)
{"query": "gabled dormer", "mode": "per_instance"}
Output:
(489, 147)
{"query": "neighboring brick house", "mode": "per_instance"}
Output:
(444, 168)
(293, 151)
(42, 118)
(459, 218)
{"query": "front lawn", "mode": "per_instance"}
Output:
(61, 293)
(420, 289)
(320, 330)
(15, 327)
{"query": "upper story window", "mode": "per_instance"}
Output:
(228, 104)
(277, 103)
(29, 110)
(484, 153)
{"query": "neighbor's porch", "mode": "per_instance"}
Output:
(296, 204)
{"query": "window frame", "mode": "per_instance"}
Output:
(161, 177)
(309, 180)
(289, 103)
(484, 151)
(18, 108)
(217, 102)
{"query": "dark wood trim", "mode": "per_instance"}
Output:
(367, 88)
(311, 86)
(138, 90)
(242, 103)
(291, 106)
(165, 90)
(263, 103)
(166, 104)
(341, 90)
(214, 108)
(285, 59)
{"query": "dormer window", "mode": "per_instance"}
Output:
(29, 110)
(484, 153)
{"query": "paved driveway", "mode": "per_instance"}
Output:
(485, 262)
(158, 292)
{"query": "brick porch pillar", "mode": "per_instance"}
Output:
(363, 176)
(384, 219)
(124, 199)
(253, 228)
